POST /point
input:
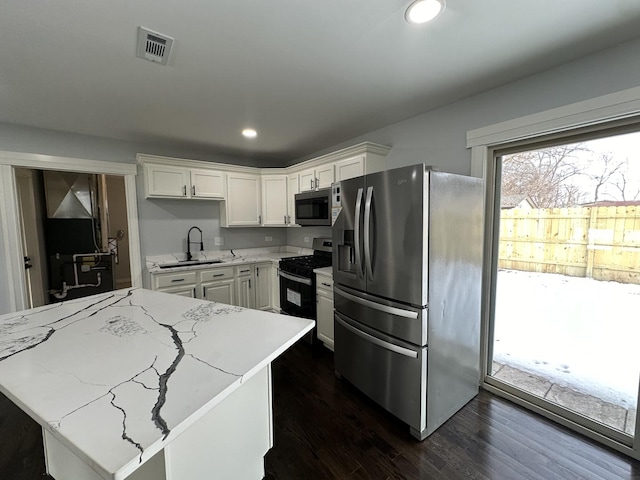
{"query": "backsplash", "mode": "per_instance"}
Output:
(296, 236)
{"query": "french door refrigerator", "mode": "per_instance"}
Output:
(407, 265)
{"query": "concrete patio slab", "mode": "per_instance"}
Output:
(527, 382)
(630, 425)
(592, 407)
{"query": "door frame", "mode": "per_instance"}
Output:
(590, 115)
(14, 276)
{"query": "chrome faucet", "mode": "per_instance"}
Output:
(189, 243)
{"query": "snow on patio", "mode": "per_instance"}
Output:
(577, 332)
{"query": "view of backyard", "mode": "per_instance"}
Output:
(567, 295)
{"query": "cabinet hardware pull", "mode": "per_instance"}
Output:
(259, 218)
(219, 275)
(326, 284)
(311, 183)
(176, 280)
(184, 190)
(285, 219)
(193, 189)
(244, 271)
(249, 284)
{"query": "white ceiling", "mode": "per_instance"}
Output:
(306, 74)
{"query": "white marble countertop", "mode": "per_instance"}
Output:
(326, 271)
(226, 257)
(117, 376)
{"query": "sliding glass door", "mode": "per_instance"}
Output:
(565, 295)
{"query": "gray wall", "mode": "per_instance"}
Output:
(437, 137)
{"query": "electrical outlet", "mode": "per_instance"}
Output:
(218, 241)
(306, 239)
(268, 238)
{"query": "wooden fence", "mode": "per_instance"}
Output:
(597, 242)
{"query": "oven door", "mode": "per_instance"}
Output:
(297, 295)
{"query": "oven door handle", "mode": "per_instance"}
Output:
(375, 340)
(295, 278)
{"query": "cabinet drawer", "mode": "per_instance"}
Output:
(216, 274)
(175, 279)
(244, 270)
(324, 283)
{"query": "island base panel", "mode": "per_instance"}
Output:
(229, 442)
(63, 464)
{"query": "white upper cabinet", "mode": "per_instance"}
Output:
(207, 184)
(316, 178)
(167, 181)
(242, 205)
(293, 187)
(274, 201)
(256, 197)
(350, 168)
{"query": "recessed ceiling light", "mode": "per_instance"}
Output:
(422, 11)
(249, 133)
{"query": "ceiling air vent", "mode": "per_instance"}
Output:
(154, 46)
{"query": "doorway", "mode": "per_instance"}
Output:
(73, 228)
(13, 285)
(566, 289)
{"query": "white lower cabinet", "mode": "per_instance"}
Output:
(248, 285)
(178, 283)
(218, 285)
(324, 308)
(275, 287)
(244, 288)
(263, 286)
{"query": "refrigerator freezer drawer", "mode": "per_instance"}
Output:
(390, 372)
(406, 323)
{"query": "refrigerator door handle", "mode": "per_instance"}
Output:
(398, 312)
(381, 343)
(367, 225)
(357, 233)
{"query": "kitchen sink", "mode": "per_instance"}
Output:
(187, 263)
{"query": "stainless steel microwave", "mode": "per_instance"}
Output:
(313, 208)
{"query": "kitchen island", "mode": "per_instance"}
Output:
(142, 385)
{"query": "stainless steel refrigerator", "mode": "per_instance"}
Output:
(407, 259)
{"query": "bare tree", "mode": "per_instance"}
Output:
(608, 170)
(544, 175)
(622, 185)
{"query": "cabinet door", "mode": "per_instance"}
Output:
(166, 181)
(349, 168)
(263, 287)
(242, 205)
(307, 180)
(244, 292)
(275, 287)
(274, 200)
(325, 317)
(221, 292)
(293, 188)
(207, 184)
(324, 175)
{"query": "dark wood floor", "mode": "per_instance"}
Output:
(325, 429)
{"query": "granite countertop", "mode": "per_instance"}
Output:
(113, 376)
(226, 258)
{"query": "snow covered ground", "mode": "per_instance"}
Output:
(577, 332)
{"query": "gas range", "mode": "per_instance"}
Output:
(304, 265)
(298, 282)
